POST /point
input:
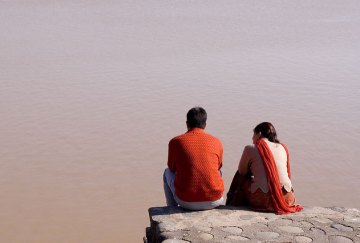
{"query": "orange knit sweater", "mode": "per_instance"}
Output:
(196, 158)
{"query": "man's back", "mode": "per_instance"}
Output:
(196, 158)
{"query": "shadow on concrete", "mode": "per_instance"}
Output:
(167, 210)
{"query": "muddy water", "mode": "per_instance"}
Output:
(91, 92)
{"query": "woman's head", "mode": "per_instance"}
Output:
(266, 130)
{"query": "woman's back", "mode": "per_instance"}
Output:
(281, 160)
(251, 160)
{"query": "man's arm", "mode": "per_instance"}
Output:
(171, 156)
(221, 156)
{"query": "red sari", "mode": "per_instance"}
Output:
(282, 202)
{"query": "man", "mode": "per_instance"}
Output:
(193, 178)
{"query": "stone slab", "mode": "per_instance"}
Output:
(234, 224)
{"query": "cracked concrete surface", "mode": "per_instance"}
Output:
(232, 224)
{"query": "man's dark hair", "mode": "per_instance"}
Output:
(196, 117)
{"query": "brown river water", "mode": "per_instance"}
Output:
(92, 91)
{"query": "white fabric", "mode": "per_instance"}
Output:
(280, 157)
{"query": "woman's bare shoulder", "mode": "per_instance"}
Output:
(250, 148)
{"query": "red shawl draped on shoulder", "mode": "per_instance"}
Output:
(279, 203)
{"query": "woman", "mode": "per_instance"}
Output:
(262, 181)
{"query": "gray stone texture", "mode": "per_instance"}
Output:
(236, 224)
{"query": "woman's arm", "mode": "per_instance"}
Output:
(244, 161)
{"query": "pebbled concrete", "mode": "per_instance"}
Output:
(232, 224)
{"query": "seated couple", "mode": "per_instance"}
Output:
(193, 177)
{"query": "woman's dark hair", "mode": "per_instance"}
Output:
(196, 117)
(268, 131)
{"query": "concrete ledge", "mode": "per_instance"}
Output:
(231, 224)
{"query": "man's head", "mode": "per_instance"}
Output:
(196, 117)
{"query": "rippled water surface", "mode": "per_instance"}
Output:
(92, 91)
